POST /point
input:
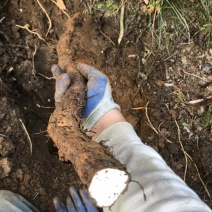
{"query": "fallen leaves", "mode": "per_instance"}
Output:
(61, 4)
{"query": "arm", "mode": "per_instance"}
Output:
(150, 174)
(164, 190)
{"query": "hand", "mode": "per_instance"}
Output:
(75, 203)
(99, 95)
(100, 110)
(63, 81)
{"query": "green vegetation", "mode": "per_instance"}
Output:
(180, 18)
(169, 21)
(207, 118)
(109, 5)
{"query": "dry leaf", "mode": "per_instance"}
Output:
(61, 4)
(146, 2)
(184, 60)
(160, 83)
(151, 9)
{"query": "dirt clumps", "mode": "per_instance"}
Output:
(5, 167)
(6, 147)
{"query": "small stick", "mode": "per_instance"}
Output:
(35, 33)
(2, 19)
(194, 75)
(121, 24)
(149, 122)
(33, 61)
(182, 148)
(107, 37)
(205, 187)
(48, 78)
(2, 135)
(195, 165)
(61, 9)
(139, 108)
(27, 134)
(153, 29)
(44, 10)
(44, 106)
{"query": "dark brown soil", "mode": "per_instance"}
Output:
(28, 96)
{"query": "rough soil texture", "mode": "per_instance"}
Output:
(25, 94)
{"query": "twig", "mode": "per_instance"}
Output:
(27, 134)
(40, 106)
(48, 78)
(182, 148)
(45, 131)
(2, 135)
(153, 29)
(149, 122)
(187, 156)
(151, 125)
(205, 187)
(2, 19)
(121, 24)
(33, 32)
(61, 9)
(44, 10)
(107, 37)
(194, 75)
(139, 108)
(33, 61)
(192, 102)
(118, 8)
(35, 196)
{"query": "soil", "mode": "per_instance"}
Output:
(27, 97)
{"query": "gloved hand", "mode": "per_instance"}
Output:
(99, 97)
(75, 203)
(63, 81)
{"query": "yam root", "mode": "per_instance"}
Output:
(105, 177)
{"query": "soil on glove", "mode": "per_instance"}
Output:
(27, 98)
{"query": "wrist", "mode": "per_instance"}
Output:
(110, 118)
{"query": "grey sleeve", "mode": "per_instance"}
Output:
(164, 190)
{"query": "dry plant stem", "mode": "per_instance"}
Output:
(48, 78)
(182, 148)
(138, 108)
(44, 10)
(148, 120)
(194, 75)
(151, 125)
(187, 156)
(33, 61)
(2, 135)
(153, 29)
(107, 37)
(121, 24)
(35, 33)
(73, 145)
(27, 134)
(61, 9)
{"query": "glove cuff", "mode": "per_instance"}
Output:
(102, 108)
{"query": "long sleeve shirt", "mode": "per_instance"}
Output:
(154, 187)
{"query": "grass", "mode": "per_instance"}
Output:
(168, 20)
(206, 118)
(180, 17)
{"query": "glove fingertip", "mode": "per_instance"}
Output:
(56, 71)
(70, 205)
(59, 206)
